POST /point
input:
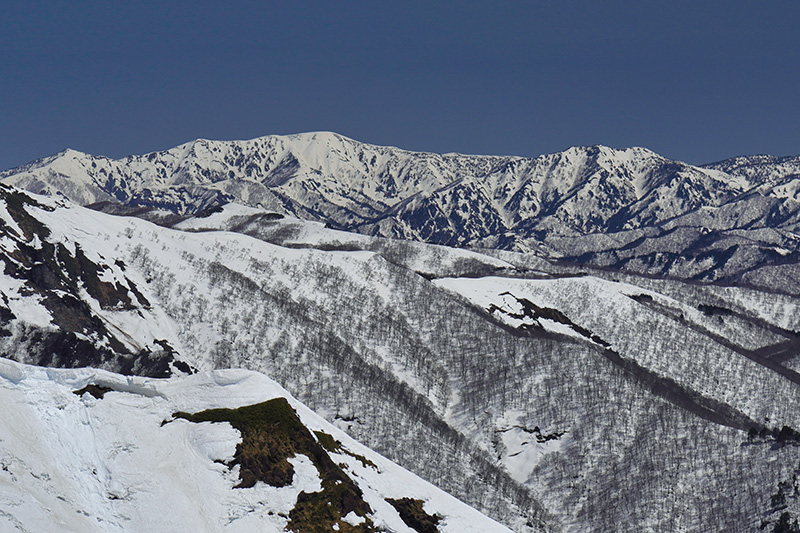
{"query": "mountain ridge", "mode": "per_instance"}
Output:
(382, 177)
(630, 209)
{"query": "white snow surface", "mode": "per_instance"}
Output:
(70, 463)
(304, 233)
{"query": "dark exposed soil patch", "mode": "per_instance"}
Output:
(414, 516)
(271, 434)
(98, 391)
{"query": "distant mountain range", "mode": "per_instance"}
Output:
(595, 340)
(732, 221)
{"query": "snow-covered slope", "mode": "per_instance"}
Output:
(116, 457)
(560, 306)
(85, 288)
(764, 170)
(545, 398)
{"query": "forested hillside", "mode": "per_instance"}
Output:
(547, 397)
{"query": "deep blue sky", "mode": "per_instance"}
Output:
(698, 81)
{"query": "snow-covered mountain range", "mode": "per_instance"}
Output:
(618, 350)
(717, 222)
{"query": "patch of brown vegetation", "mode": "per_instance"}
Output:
(98, 391)
(335, 446)
(414, 516)
(271, 434)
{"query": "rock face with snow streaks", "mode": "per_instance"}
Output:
(448, 198)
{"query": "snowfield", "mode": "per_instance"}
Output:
(80, 463)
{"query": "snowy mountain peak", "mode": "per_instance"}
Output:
(485, 201)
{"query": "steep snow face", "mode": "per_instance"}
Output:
(445, 199)
(583, 188)
(69, 302)
(117, 459)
